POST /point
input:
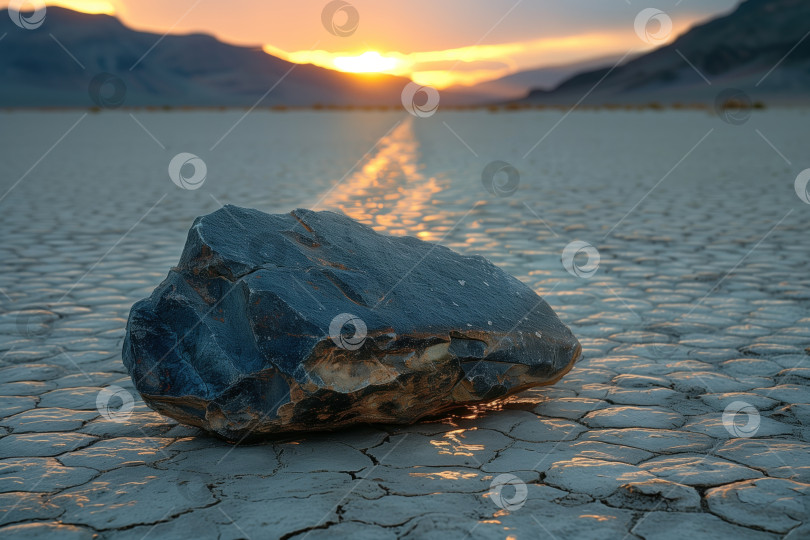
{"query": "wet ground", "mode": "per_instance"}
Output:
(688, 415)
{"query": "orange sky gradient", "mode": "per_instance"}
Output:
(454, 42)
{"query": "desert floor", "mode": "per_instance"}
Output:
(699, 307)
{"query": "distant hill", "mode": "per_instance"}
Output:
(182, 70)
(733, 51)
(518, 84)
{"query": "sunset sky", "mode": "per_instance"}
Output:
(441, 43)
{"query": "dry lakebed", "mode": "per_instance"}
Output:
(687, 415)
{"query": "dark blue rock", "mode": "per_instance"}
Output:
(312, 321)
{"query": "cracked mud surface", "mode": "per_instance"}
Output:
(702, 299)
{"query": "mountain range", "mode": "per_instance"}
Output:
(517, 85)
(54, 65)
(761, 48)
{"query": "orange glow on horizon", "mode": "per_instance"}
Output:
(93, 7)
(458, 66)
(450, 67)
(368, 62)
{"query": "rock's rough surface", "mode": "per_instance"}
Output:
(310, 320)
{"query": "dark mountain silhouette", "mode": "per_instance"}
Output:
(517, 84)
(182, 70)
(761, 48)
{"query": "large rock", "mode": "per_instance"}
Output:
(310, 320)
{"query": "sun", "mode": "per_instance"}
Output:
(93, 7)
(368, 62)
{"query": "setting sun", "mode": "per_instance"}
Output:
(85, 6)
(368, 62)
